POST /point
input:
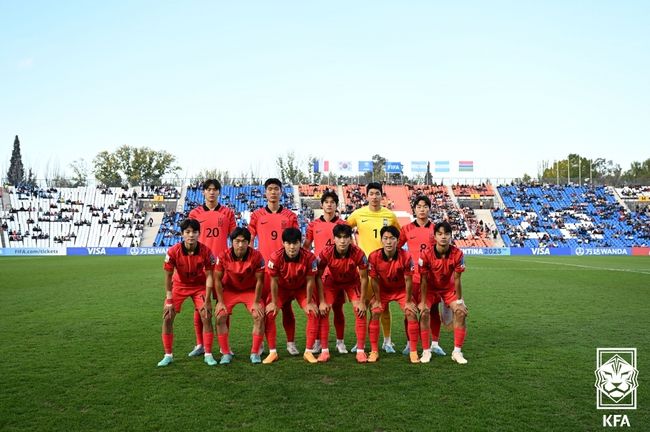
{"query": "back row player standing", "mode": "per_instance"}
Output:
(320, 235)
(369, 220)
(217, 222)
(267, 224)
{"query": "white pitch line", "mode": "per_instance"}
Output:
(573, 265)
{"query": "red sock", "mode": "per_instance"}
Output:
(413, 330)
(257, 343)
(271, 331)
(425, 337)
(435, 324)
(459, 337)
(223, 343)
(208, 338)
(198, 327)
(360, 330)
(324, 330)
(339, 320)
(289, 322)
(168, 342)
(312, 330)
(373, 330)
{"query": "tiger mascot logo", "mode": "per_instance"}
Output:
(616, 378)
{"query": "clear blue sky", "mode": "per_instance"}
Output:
(232, 85)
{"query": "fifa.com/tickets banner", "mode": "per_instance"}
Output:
(32, 251)
(145, 251)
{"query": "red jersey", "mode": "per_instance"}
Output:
(240, 273)
(268, 228)
(418, 239)
(342, 268)
(440, 268)
(292, 273)
(319, 232)
(391, 272)
(189, 268)
(216, 225)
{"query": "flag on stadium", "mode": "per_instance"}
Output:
(418, 166)
(321, 166)
(465, 166)
(393, 167)
(345, 166)
(365, 166)
(441, 166)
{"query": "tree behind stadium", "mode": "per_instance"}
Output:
(133, 166)
(16, 173)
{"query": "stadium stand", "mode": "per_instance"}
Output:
(483, 190)
(84, 216)
(568, 216)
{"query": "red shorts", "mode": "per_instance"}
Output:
(233, 297)
(179, 294)
(398, 296)
(448, 296)
(334, 292)
(286, 296)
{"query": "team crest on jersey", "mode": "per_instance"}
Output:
(284, 224)
(220, 222)
(385, 222)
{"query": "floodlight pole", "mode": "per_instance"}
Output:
(579, 171)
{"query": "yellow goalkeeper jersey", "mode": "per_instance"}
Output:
(369, 223)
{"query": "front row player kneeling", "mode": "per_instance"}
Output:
(343, 268)
(438, 266)
(188, 273)
(293, 271)
(391, 271)
(239, 278)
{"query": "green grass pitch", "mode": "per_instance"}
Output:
(80, 339)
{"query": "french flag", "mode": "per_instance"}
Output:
(321, 166)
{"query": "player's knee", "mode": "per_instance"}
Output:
(222, 319)
(459, 314)
(410, 316)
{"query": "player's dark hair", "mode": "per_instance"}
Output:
(374, 185)
(444, 225)
(190, 223)
(329, 194)
(424, 198)
(390, 229)
(341, 230)
(212, 182)
(240, 231)
(271, 181)
(291, 235)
